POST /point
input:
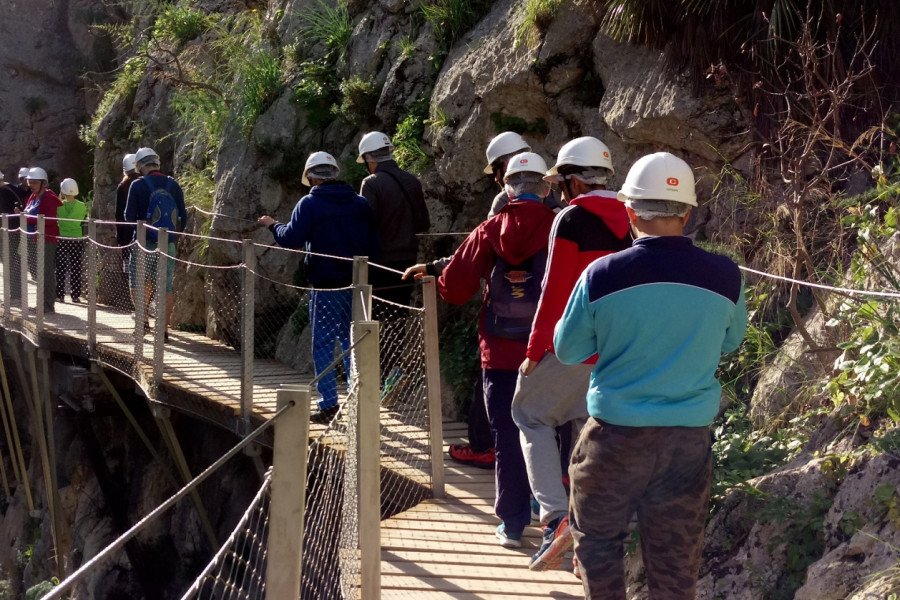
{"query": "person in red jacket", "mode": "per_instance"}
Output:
(548, 394)
(44, 202)
(517, 234)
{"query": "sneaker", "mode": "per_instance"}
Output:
(76, 299)
(535, 510)
(463, 454)
(508, 539)
(575, 570)
(323, 416)
(557, 541)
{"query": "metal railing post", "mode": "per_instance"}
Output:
(433, 385)
(23, 264)
(248, 312)
(7, 270)
(362, 291)
(92, 288)
(367, 367)
(140, 296)
(41, 275)
(285, 549)
(162, 300)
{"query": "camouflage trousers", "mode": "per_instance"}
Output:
(662, 473)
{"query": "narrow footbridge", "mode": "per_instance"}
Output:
(361, 507)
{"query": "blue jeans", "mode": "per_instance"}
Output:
(329, 316)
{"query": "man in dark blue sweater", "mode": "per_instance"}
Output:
(658, 315)
(333, 224)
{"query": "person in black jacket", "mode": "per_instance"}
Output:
(398, 202)
(125, 232)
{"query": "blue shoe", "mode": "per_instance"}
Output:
(557, 541)
(391, 388)
(509, 539)
(535, 510)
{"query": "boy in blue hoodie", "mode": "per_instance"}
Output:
(332, 220)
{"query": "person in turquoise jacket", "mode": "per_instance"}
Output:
(658, 316)
(70, 259)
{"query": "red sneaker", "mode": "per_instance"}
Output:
(463, 454)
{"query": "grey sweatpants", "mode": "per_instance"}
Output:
(553, 395)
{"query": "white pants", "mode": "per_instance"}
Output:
(553, 395)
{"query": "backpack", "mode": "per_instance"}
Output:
(513, 295)
(162, 211)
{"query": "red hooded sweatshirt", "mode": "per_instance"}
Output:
(518, 231)
(592, 226)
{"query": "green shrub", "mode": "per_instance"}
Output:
(460, 360)
(122, 89)
(180, 24)
(329, 26)
(453, 18)
(202, 113)
(359, 100)
(259, 85)
(407, 151)
(535, 19)
(318, 92)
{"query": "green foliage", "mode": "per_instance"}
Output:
(180, 24)
(353, 172)
(318, 91)
(803, 537)
(260, 85)
(359, 100)
(740, 453)
(122, 89)
(452, 18)
(410, 131)
(34, 105)
(407, 46)
(41, 589)
(460, 360)
(329, 26)
(503, 122)
(535, 18)
(886, 496)
(201, 113)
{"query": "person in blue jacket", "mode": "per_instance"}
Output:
(331, 221)
(658, 315)
(157, 199)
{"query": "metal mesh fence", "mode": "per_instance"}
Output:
(237, 571)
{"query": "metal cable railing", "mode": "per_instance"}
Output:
(251, 333)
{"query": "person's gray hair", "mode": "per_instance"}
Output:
(526, 183)
(596, 176)
(323, 172)
(651, 209)
(381, 155)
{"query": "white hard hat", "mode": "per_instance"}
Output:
(68, 187)
(583, 152)
(129, 163)
(317, 159)
(374, 140)
(23, 173)
(525, 162)
(660, 176)
(37, 173)
(146, 156)
(508, 142)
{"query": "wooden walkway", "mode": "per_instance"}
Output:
(446, 549)
(439, 549)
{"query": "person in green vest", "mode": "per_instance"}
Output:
(71, 242)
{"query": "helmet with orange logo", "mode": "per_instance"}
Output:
(588, 152)
(525, 162)
(661, 176)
